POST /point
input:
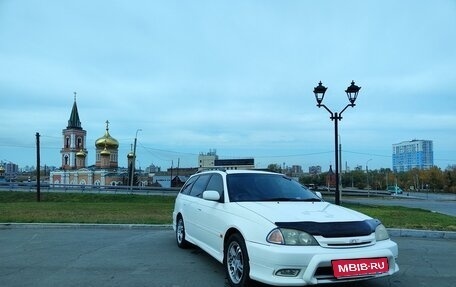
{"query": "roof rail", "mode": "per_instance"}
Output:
(265, 169)
(201, 169)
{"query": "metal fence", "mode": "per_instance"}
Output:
(76, 188)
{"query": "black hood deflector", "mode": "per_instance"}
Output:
(334, 229)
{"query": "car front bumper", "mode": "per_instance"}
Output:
(313, 262)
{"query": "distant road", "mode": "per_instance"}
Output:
(436, 202)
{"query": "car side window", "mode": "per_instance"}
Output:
(216, 183)
(200, 185)
(188, 185)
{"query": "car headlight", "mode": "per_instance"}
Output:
(381, 233)
(285, 236)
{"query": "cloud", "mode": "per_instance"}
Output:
(232, 76)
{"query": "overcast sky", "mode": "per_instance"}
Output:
(235, 76)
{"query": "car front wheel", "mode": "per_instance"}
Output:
(236, 261)
(180, 233)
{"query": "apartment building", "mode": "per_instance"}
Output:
(408, 155)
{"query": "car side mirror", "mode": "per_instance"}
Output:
(212, 195)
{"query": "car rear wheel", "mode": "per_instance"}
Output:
(180, 233)
(236, 261)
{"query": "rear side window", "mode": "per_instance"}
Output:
(200, 185)
(188, 185)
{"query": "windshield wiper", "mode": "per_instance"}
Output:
(279, 199)
(291, 199)
(311, 199)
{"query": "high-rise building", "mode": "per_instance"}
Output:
(408, 155)
(8, 171)
(316, 169)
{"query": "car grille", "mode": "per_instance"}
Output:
(356, 244)
(325, 274)
(346, 242)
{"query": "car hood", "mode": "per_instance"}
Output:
(302, 211)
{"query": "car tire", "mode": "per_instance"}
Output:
(180, 233)
(236, 261)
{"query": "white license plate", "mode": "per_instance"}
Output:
(359, 267)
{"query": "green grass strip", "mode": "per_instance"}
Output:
(22, 207)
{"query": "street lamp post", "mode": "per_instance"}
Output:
(367, 173)
(367, 178)
(133, 162)
(352, 94)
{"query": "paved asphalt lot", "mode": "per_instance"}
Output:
(45, 257)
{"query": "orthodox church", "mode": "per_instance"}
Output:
(74, 169)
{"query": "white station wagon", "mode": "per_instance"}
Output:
(266, 227)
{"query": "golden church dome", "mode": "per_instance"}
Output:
(81, 153)
(105, 152)
(107, 141)
(130, 155)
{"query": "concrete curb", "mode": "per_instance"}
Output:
(394, 232)
(397, 232)
(84, 226)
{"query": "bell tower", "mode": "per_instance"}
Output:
(74, 151)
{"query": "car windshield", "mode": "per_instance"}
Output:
(266, 187)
